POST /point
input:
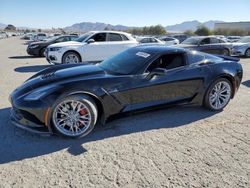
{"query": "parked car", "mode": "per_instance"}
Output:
(39, 37)
(242, 47)
(3, 35)
(170, 40)
(38, 48)
(28, 36)
(71, 99)
(91, 47)
(233, 38)
(208, 44)
(149, 40)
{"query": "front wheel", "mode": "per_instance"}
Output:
(74, 116)
(71, 58)
(247, 53)
(218, 95)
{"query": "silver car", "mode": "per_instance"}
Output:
(242, 47)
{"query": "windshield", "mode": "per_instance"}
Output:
(191, 40)
(244, 40)
(51, 38)
(127, 62)
(84, 37)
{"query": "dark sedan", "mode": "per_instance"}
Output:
(208, 44)
(72, 99)
(38, 48)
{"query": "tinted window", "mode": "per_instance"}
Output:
(62, 39)
(194, 57)
(114, 37)
(124, 37)
(205, 41)
(99, 37)
(153, 40)
(73, 37)
(127, 62)
(169, 61)
(145, 40)
(214, 40)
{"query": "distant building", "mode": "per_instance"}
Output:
(233, 25)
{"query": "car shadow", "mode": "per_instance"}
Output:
(246, 83)
(34, 68)
(17, 144)
(24, 57)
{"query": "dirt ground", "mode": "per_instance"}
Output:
(174, 147)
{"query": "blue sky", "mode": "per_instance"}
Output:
(61, 13)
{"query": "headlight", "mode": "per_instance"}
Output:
(34, 46)
(39, 93)
(55, 48)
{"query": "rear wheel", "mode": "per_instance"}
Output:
(218, 95)
(42, 52)
(74, 116)
(71, 58)
(247, 53)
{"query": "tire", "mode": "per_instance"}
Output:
(70, 58)
(226, 52)
(74, 116)
(247, 53)
(217, 100)
(42, 51)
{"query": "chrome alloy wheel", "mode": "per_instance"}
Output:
(72, 117)
(72, 58)
(220, 95)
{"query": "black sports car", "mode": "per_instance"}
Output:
(71, 99)
(38, 48)
(208, 44)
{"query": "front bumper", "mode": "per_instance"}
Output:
(34, 52)
(53, 57)
(238, 51)
(20, 120)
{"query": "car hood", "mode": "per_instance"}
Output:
(69, 43)
(37, 43)
(54, 75)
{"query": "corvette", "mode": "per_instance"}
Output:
(72, 99)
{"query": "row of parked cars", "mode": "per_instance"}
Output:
(96, 46)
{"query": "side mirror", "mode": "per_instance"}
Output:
(90, 41)
(157, 72)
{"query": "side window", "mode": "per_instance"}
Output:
(153, 40)
(222, 41)
(124, 37)
(214, 40)
(194, 58)
(145, 40)
(205, 41)
(169, 61)
(99, 37)
(114, 37)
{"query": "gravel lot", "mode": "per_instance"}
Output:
(174, 147)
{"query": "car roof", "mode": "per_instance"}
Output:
(159, 49)
(107, 31)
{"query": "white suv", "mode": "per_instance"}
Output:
(93, 46)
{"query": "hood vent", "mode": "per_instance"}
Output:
(48, 75)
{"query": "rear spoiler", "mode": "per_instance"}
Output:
(229, 58)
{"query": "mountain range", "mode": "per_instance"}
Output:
(188, 25)
(90, 26)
